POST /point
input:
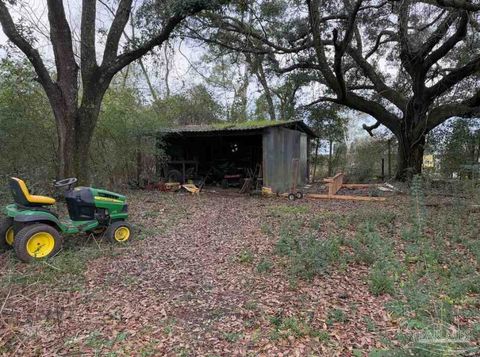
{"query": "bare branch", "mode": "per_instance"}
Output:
(116, 30)
(453, 78)
(467, 108)
(32, 54)
(87, 44)
(448, 45)
(341, 46)
(370, 128)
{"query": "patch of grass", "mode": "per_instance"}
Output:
(308, 256)
(336, 315)
(98, 342)
(369, 247)
(266, 229)
(292, 326)
(245, 256)
(289, 210)
(232, 336)
(66, 269)
(251, 305)
(381, 280)
(264, 266)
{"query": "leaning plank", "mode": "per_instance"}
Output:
(345, 197)
(335, 183)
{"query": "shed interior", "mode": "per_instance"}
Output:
(219, 157)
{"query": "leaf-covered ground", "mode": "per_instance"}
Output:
(212, 276)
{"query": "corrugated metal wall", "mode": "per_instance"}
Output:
(280, 147)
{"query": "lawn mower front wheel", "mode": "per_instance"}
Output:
(119, 232)
(36, 242)
(6, 233)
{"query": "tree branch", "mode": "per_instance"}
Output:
(341, 46)
(88, 56)
(32, 54)
(382, 89)
(453, 78)
(458, 36)
(438, 34)
(61, 39)
(116, 30)
(370, 128)
(134, 54)
(467, 108)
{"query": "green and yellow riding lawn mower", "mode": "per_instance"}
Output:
(35, 232)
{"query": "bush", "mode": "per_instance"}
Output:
(307, 255)
(368, 247)
(381, 280)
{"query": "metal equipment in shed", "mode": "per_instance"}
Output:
(228, 150)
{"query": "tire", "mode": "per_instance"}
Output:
(37, 242)
(6, 234)
(174, 176)
(299, 195)
(291, 197)
(119, 232)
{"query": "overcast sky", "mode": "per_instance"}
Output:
(186, 67)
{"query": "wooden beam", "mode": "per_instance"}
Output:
(346, 197)
(358, 185)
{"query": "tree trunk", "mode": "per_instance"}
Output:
(85, 124)
(75, 127)
(66, 146)
(410, 156)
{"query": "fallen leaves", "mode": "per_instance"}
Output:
(182, 291)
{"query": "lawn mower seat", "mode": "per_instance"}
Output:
(23, 197)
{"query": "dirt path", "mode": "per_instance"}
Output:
(192, 287)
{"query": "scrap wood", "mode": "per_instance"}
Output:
(359, 185)
(345, 197)
(190, 187)
(334, 183)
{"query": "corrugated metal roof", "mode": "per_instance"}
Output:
(243, 126)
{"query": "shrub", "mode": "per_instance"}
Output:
(381, 280)
(264, 266)
(308, 256)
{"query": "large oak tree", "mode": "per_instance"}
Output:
(410, 64)
(76, 88)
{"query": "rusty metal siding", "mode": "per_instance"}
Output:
(280, 147)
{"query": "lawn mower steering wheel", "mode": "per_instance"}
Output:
(65, 182)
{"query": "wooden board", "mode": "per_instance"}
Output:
(359, 185)
(334, 183)
(345, 197)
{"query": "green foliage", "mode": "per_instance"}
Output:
(336, 315)
(365, 162)
(27, 130)
(462, 148)
(369, 247)
(245, 256)
(381, 280)
(195, 106)
(308, 256)
(284, 327)
(264, 266)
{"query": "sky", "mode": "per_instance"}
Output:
(187, 68)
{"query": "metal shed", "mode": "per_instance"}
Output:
(272, 146)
